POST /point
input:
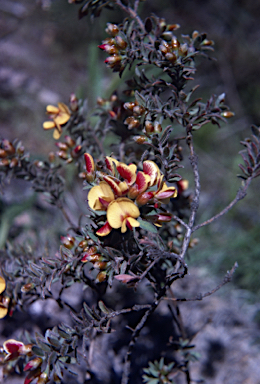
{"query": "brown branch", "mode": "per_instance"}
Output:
(195, 202)
(241, 194)
(226, 280)
(136, 333)
(133, 14)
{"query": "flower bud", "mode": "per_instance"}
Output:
(138, 110)
(74, 103)
(3, 153)
(83, 243)
(195, 34)
(76, 151)
(157, 127)
(33, 364)
(173, 27)
(121, 43)
(112, 61)
(171, 57)
(27, 287)
(100, 265)
(140, 139)
(175, 43)
(62, 146)
(43, 378)
(68, 241)
(8, 147)
(63, 155)
(51, 157)
(109, 48)
(130, 105)
(131, 122)
(112, 29)
(13, 162)
(149, 128)
(101, 276)
(20, 150)
(144, 197)
(227, 114)
(4, 162)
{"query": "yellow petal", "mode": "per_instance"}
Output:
(105, 230)
(123, 228)
(102, 190)
(128, 172)
(52, 109)
(61, 118)
(2, 284)
(49, 125)
(120, 209)
(63, 107)
(57, 133)
(151, 169)
(132, 222)
(3, 312)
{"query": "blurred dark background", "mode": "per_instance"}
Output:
(47, 53)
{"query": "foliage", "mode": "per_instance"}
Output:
(129, 153)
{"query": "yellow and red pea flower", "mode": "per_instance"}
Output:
(110, 194)
(59, 116)
(13, 349)
(4, 301)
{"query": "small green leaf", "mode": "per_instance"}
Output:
(37, 351)
(103, 308)
(147, 226)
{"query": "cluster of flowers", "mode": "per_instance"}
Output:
(138, 114)
(172, 50)
(12, 350)
(122, 190)
(68, 150)
(115, 46)
(4, 300)
(9, 154)
(59, 116)
(89, 252)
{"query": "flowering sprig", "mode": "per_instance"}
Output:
(122, 192)
(59, 116)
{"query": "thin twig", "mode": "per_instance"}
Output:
(136, 333)
(195, 202)
(180, 221)
(133, 14)
(241, 194)
(226, 280)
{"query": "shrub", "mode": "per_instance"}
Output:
(131, 246)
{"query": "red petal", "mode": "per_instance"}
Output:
(113, 185)
(141, 181)
(105, 230)
(12, 346)
(90, 166)
(151, 169)
(165, 194)
(127, 172)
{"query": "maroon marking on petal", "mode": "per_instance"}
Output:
(12, 347)
(105, 230)
(165, 194)
(104, 202)
(164, 217)
(89, 162)
(141, 181)
(125, 172)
